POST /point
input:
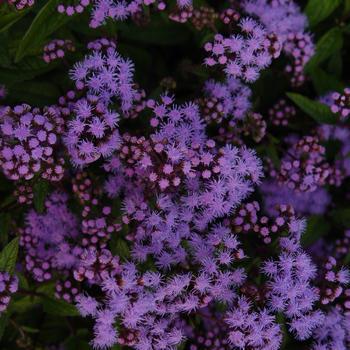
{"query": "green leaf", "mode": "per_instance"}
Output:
(317, 226)
(325, 82)
(3, 323)
(59, 307)
(318, 10)
(342, 216)
(5, 221)
(37, 93)
(8, 256)
(6, 21)
(316, 110)
(40, 190)
(329, 43)
(44, 24)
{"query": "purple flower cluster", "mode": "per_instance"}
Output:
(244, 56)
(156, 232)
(28, 144)
(341, 103)
(106, 74)
(8, 286)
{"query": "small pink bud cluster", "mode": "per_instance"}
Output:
(335, 279)
(67, 290)
(281, 112)
(305, 167)
(24, 193)
(247, 220)
(341, 103)
(300, 47)
(96, 265)
(229, 16)
(56, 49)
(102, 44)
(70, 10)
(253, 126)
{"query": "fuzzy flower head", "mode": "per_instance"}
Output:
(244, 56)
(92, 132)
(29, 140)
(106, 75)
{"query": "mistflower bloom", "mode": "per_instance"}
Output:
(229, 100)
(29, 142)
(244, 56)
(45, 239)
(333, 333)
(57, 49)
(290, 288)
(341, 103)
(305, 167)
(8, 286)
(106, 75)
(250, 329)
(304, 203)
(120, 10)
(286, 19)
(92, 132)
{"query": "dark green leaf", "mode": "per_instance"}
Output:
(318, 10)
(324, 82)
(45, 23)
(4, 317)
(40, 190)
(5, 221)
(342, 216)
(318, 111)
(36, 93)
(59, 307)
(8, 256)
(329, 43)
(317, 226)
(6, 21)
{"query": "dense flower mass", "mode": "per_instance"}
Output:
(174, 175)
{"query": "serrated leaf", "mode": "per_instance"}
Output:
(318, 10)
(329, 43)
(316, 227)
(316, 110)
(40, 191)
(59, 307)
(8, 256)
(45, 23)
